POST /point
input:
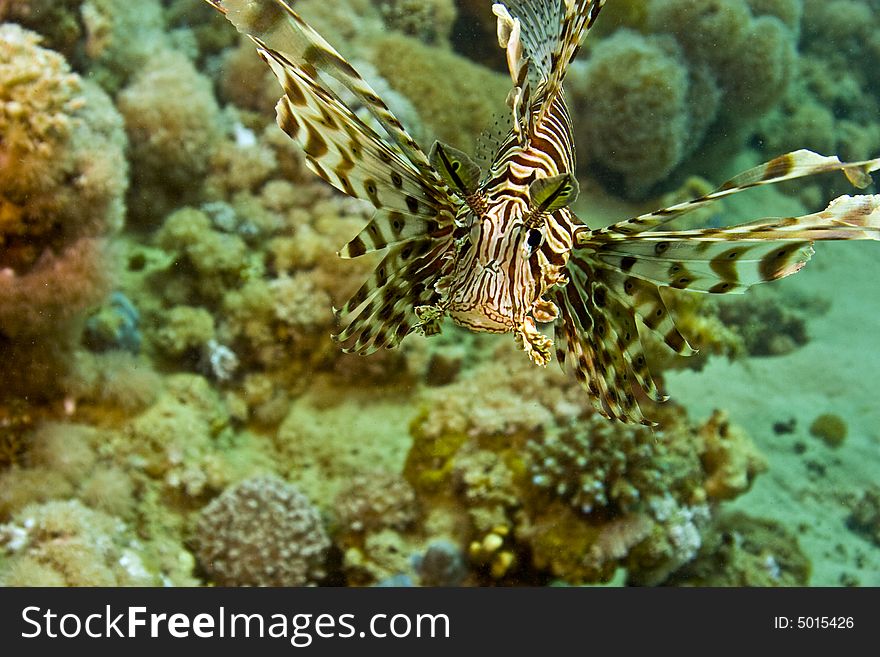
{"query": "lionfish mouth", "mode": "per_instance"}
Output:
(481, 318)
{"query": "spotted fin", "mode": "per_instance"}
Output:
(382, 312)
(414, 208)
(730, 260)
(392, 228)
(275, 27)
(617, 279)
(540, 38)
(597, 339)
(790, 166)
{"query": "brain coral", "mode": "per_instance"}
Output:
(63, 176)
(261, 532)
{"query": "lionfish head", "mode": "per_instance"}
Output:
(502, 269)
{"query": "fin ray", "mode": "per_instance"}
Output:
(790, 166)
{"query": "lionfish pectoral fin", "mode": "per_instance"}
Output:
(616, 279)
(392, 303)
(730, 260)
(553, 193)
(456, 168)
(790, 166)
(415, 210)
(598, 338)
(275, 27)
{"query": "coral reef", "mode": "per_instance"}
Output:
(643, 117)
(105, 39)
(770, 324)
(174, 125)
(694, 69)
(67, 544)
(744, 551)
(429, 21)
(421, 75)
(62, 181)
(173, 409)
(538, 484)
(261, 532)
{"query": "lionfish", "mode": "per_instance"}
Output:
(501, 250)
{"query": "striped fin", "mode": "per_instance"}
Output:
(713, 267)
(619, 279)
(597, 339)
(790, 166)
(275, 26)
(415, 210)
(382, 312)
(730, 260)
(391, 228)
(541, 38)
(344, 151)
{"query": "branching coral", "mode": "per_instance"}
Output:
(261, 532)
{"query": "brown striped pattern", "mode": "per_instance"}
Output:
(791, 166)
(633, 269)
(486, 258)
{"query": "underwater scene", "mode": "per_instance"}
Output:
(321, 344)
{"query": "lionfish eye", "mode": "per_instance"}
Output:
(534, 239)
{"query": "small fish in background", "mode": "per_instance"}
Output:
(500, 250)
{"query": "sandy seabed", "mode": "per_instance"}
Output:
(838, 371)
